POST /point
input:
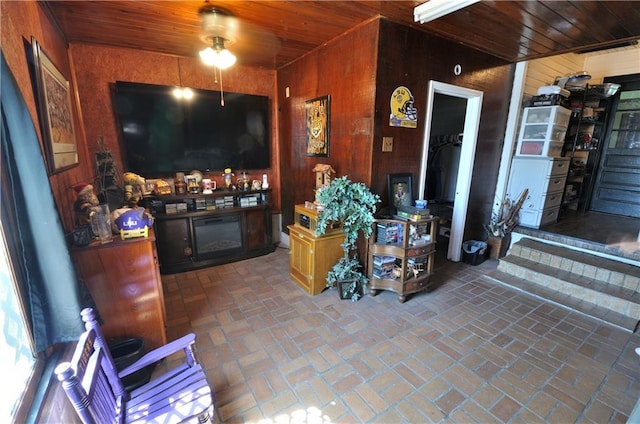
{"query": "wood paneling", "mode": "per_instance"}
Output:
(21, 21)
(511, 30)
(618, 62)
(412, 58)
(544, 71)
(99, 67)
(345, 69)
(405, 57)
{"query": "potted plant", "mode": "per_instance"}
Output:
(352, 204)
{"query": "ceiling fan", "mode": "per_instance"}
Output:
(226, 37)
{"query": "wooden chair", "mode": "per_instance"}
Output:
(95, 389)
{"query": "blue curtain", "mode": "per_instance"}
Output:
(53, 294)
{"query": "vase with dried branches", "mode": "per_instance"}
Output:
(502, 223)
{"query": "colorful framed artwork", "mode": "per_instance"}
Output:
(55, 112)
(400, 190)
(317, 112)
(403, 112)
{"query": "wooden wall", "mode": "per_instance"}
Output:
(99, 67)
(622, 61)
(20, 21)
(541, 72)
(411, 58)
(345, 70)
(360, 70)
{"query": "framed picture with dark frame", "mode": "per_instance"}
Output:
(317, 113)
(400, 190)
(55, 112)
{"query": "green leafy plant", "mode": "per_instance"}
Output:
(354, 205)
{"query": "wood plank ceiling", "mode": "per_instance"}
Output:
(274, 33)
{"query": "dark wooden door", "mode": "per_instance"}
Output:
(617, 188)
(256, 229)
(174, 247)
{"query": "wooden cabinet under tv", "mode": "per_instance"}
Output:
(199, 230)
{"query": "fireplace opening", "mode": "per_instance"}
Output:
(217, 236)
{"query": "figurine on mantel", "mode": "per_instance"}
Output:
(134, 186)
(85, 203)
(243, 181)
(228, 175)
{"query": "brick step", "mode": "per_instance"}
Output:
(579, 263)
(592, 290)
(557, 297)
(603, 288)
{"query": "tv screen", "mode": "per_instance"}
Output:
(162, 134)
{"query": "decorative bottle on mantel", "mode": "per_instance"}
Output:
(180, 185)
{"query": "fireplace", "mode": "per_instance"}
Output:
(217, 236)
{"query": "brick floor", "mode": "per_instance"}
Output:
(468, 351)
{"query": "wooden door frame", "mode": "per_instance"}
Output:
(467, 157)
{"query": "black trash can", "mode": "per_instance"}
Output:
(125, 353)
(474, 252)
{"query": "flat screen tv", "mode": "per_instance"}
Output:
(161, 134)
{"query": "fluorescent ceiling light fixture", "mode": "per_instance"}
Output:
(217, 56)
(434, 9)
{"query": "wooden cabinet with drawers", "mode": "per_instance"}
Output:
(124, 281)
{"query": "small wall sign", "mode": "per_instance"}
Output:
(403, 112)
(317, 115)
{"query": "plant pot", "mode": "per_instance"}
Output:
(349, 289)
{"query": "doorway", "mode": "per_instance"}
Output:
(617, 187)
(461, 153)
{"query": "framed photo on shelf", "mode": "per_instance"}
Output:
(317, 113)
(400, 190)
(55, 112)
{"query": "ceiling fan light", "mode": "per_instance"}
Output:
(220, 58)
(224, 59)
(208, 56)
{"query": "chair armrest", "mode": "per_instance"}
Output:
(158, 354)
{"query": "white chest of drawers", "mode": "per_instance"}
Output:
(544, 177)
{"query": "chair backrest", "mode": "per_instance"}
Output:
(90, 379)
